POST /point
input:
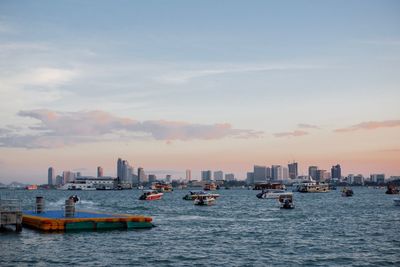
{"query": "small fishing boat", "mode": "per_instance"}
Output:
(286, 201)
(347, 192)
(396, 201)
(204, 200)
(271, 193)
(151, 195)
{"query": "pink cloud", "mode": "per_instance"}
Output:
(55, 129)
(295, 133)
(370, 125)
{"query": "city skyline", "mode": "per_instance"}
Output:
(192, 85)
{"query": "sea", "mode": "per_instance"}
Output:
(324, 229)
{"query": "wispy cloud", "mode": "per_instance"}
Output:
(307, 126)
(295, 133)
(370, 125)
(55, 129)
(184, 76)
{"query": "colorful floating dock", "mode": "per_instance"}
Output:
(54, 220)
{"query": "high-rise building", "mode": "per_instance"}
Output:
(59, 180)
(312, 172)
(99, 171)
(50, 176)
(259, 174)
(378, 178)
(124, 172)
(218, 175)
(141, 175)
(152, 178)
(250, 178)
(229, 177)
(206, 176)
(68, 177)
(168, 178)
(276, 172)
(336, 172)
(119, 169)
(293, 170)
(188, 175)
(320, 175)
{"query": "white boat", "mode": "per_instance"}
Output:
(78, 186)
(396, 201)
(271, 193)
(204, 200)
(286, 201)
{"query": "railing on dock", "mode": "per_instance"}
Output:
(11, 213)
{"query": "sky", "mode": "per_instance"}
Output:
(219, 85)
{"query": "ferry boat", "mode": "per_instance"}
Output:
(286, 201)
(313, 187)
(162, 187)
(271, 193)
(151, 195)
(265, 186)
(77, 186)
(210, 187)
(347, 192)
(204, 200)
(195, 195)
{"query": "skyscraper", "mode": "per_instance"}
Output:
(260, 174)
(276, 172)
(50, 176)
(312, 172)
(218, 175)
(141, 175)
(206, 176)
(293, 170)
(124, 172)
(99, 171)
(336, 172)
(229, 177)
(68, 176)
(188, 175)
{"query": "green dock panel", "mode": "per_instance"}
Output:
(139, 225)
(80, 226)
(110, 225)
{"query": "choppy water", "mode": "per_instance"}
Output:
(240, 230)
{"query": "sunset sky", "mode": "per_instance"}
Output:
(175, 85)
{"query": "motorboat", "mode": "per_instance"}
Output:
(162, 187)
(392, 189)
(194, 195)
(271, 193)
(347, 192)
(210, 187)
(151, 195)
(286, 201)
(204, 200)
(396, 201)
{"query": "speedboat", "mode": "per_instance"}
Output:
(396, 201)
(286, 201)
(150, 195)
(347, 192)
(204, 200)
(194, 195)
(270, 193)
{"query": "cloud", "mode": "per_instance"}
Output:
(307, 126)
(370, 125)
(178, 77)
(56, 129)
(295, 133)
